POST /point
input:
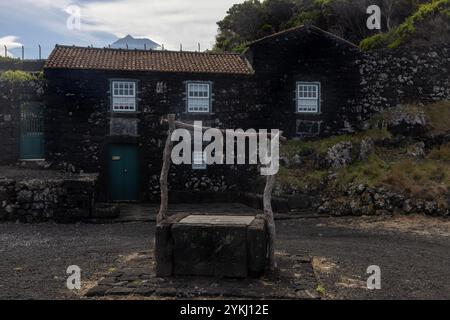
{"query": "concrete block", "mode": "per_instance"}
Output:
(221, 246)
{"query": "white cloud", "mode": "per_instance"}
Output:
(11, 42)
(168, 22)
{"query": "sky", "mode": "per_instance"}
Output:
(101, 22)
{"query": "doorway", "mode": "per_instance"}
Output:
(123, 167)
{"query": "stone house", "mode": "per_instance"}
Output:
(103, 107)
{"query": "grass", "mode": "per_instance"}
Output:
(439, 116)
(369, 172)
(427, 178)
(300, 178)
(321, 290)
(440, 154)
(322, 145)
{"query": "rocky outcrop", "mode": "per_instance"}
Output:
(339, 155)
(364, 200)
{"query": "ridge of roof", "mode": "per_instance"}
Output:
(304, 26)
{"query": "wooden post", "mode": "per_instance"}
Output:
(163, 209)
(268, 213)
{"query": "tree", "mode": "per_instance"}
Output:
(254, 19)
(241, 24)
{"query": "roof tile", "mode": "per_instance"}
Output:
(65, 57)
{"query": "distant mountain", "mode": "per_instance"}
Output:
(135, 43)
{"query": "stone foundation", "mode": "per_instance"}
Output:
(221, 246)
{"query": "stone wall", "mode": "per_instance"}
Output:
(80, 126)
(392, 77)
(38, 200)
(307, 56)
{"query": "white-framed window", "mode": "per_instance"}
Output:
(123, 96)
(198, 160)
(198, 97)
(308, 97)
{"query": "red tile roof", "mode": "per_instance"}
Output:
(66, 57)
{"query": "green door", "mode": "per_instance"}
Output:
(123, 172)
(31, 131)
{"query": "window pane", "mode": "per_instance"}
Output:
(198, 97)
(124, 104)
(308, 98)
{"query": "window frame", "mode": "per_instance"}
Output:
(112, 95)
(318, 98)
(209, 97)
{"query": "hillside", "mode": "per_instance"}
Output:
(429, 24)
(404, 22)
(382, 170)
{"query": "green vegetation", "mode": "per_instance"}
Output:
(439, 116)
(425, 178)
(402, 20)
(300, 178)
(321, 145)
(432, 19)
(8, 59)
(321, 290)
(18, 76)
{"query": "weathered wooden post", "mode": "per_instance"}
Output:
(268, 213)
(163, 209)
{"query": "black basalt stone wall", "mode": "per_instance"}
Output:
(79, 124)
(306, 56)
(391, 77)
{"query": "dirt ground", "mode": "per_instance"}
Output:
(412, 253)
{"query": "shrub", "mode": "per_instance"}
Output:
(427, 13)
(17, 76)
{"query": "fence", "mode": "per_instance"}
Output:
(40, 52)
(7, 52)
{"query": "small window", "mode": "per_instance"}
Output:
(198, 160)
(198, 97)
(123, 96)
(308, 97)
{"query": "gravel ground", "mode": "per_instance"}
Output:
(34, 258)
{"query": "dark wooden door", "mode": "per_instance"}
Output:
(123, 172)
